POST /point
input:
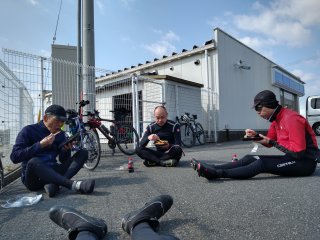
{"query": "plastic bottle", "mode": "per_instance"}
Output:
(234, 157)
(130, 165)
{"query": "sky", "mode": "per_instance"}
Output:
(128, 32)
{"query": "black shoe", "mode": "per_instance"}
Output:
(74, 221)
(151, 212)
(194, 163)
(169, 163)
(51, 189)
(149, 163)
(87, 186)
(206, 171)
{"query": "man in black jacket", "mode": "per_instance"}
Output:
(169, 152)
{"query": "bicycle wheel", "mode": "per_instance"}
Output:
(187, 135)
(1, 176)
(126, 138)
(200, 136)
(91, 143)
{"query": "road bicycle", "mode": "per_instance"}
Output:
(1, 175)
(82, 138)
(191, 131)
(120, 134)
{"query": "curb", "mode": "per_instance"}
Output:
(12, 176)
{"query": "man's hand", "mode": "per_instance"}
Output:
(153, 137)
(265, 140)
(68, 146)
(47, 141)
(250, 133)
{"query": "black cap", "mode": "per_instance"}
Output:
(58, 111)
(266, 98)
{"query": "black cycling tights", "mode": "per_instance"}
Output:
(38, 174)
(251, 165)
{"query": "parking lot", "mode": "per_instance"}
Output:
(264, 207)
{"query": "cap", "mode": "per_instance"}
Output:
(266, 98)
(58, 111)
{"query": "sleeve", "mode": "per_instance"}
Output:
(177, 134)
(144, 140)
(23, 149)
(296, 144)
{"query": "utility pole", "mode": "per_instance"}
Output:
(88, 54)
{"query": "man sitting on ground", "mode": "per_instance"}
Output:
(167, 138)
(37, 147)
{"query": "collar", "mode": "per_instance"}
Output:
(275, 113)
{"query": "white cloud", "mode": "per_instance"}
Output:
(160, 48)
(34, 2)
(127, 3)
(164, 46)
(171, 36)
(283, 21)
(100, 6)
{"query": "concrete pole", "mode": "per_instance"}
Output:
(88, 54)
(79, 55)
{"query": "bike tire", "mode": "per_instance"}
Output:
(1, 176)
(127, 138)
(187, 135)
(200, 136)
(91, 143)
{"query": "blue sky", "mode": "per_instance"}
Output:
(128, 32)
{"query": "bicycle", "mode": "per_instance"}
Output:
(120, 134)
(83, 138)
(191, 131)
(1, 175)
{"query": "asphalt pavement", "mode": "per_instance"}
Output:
(264, 207)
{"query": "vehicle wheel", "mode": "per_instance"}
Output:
(187, 135)
(1, 175)
(127, 139)
(316, 129)
(91, 143)
(200, 134)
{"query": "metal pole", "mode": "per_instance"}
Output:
(137, 104)
(42, 90)
(79, 83)
(88, 54)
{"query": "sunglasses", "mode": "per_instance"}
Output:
(258, 108)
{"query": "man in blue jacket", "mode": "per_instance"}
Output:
(36, 148)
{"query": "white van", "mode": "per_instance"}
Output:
(313, 113)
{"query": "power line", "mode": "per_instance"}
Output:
(55, 32)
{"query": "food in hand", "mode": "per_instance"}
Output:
(161, 142)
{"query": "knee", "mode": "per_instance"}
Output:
(83, 154)
(33, 162)
(138, 150)
(176, 152)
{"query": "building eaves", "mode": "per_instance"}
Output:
(175, 56)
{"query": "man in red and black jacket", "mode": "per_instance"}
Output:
(289, 132)
(167, 154)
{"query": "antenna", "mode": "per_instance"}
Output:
(55, 32)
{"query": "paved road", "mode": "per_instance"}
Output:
(265, 207)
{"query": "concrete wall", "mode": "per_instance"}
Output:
(237, 86)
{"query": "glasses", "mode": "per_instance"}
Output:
(258, 108)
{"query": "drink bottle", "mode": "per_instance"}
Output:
(234, 158)
(130, 165)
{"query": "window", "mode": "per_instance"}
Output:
(315, 103)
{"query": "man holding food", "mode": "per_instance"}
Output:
(166, 137)
(289, 132)
(37, 149)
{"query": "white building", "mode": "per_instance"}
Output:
(229, 75)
